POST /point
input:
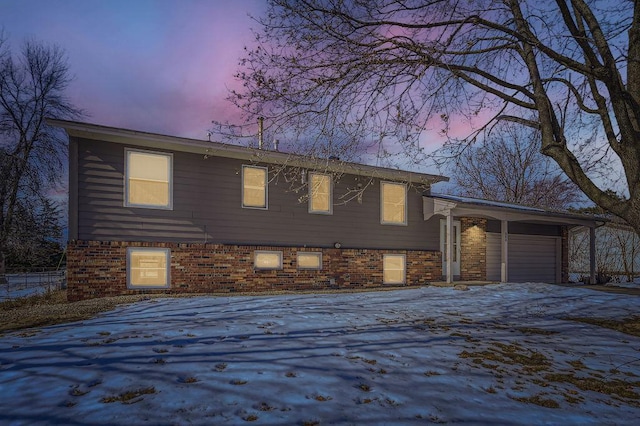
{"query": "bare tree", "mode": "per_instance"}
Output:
(507, 166)
(617, 254)
(364, 74)
(32, 86)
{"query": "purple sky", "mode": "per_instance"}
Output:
(154, 65)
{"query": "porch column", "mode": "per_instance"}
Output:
(592, 255)
(504, 251)
(449, 247)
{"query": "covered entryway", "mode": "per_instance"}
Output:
(504, 242)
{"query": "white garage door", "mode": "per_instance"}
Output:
(534, 258)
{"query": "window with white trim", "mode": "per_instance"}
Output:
(320, 193)
(148, 180)
(263, 259)
(254, 187)
(393, 269)
(393, 203)
(309, 260)
(148, 267)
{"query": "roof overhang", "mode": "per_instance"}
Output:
(461, 206)
(208, 148)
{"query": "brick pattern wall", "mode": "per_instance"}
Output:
(98, 269)
(473, 249)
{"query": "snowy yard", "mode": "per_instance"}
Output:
(499, 354)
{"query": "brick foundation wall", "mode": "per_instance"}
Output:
(99, 269)
(473, 249)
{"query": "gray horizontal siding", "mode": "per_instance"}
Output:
(534, 258)
(525, 228)
(494, 257)
(207, 207)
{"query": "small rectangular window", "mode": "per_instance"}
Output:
(148, 181)
(393, 203)
(320, 197)
(393, 269)
(267, 260)
(148, 267)
(309, 260)
(254, 187)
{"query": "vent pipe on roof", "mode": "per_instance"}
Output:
(260, 132)
(275, 144)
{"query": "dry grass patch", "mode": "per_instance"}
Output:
(538, 400)
(129, 397)
(512, 354)
(621, 388)
(629, 325)
(534, 330)
(53, 308)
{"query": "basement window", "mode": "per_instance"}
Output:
(394, 269)
(148, 267)
(148, 181)
(309, 260)
(267, 259)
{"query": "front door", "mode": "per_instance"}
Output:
(456, 247)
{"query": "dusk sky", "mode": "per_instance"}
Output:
(161, 66)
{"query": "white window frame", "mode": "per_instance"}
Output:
(317, 254)
(167, 254)
(406, 203)
(257, 253)
(404, 268)
(169, 206)
(311, 210)
(266, 188)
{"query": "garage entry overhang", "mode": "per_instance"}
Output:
(449, 206)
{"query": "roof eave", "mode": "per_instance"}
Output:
(460, 208)
(159, 141)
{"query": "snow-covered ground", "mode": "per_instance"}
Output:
(490, 355)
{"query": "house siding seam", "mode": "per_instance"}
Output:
(98, 269)
(564, 263)
(473, 248)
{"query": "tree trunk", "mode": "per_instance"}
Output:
(3, 275)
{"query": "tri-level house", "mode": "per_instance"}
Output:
(155, 213)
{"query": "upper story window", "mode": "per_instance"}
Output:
(254, 187)
(148, 180)
(320, 197)
(393, 203)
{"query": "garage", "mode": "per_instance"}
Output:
(534, 258)
(535, 239)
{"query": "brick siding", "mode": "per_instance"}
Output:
(473, 249)
(98, 269)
